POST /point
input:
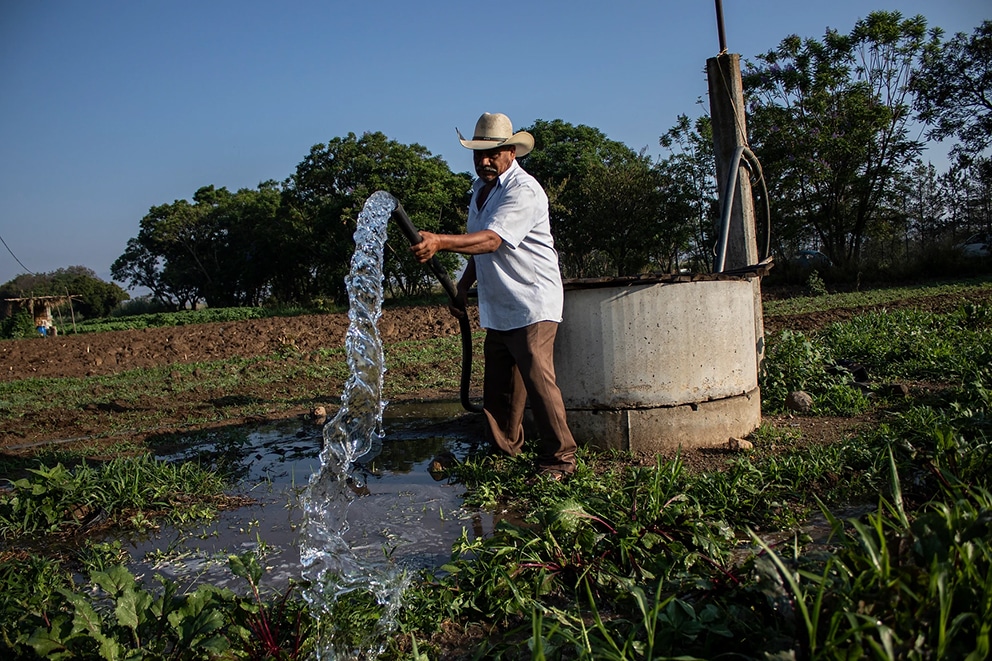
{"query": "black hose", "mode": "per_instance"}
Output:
(413, 236)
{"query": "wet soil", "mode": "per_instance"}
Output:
(99, 354)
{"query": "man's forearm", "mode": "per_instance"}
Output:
(476, 243)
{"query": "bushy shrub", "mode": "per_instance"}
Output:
(140, 305)
(17, 326)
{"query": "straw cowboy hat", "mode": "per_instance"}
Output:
(495, 130)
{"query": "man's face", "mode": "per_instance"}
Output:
(491, 163)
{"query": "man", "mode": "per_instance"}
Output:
(513, 260)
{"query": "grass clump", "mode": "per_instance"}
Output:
(794, 362)
(125, 490)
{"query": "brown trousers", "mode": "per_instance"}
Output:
(520, 364)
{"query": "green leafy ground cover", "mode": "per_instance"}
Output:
(627, 561)
(821, 299)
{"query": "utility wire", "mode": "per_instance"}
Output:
(15, 256)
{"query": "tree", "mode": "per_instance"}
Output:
(965, 192)
(92, 297)
(212, 249)
(830, 122)
(140, 267)
(923, 209)
(604, 199)
(236, 266)
(166, 254)
(626, 198)
(954, 91)
(689, 187)
(326, 194)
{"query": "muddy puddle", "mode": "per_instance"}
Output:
(403, 509)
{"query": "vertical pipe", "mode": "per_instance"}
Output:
(719, 26)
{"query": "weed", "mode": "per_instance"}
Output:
(127, 489)
(815, 284)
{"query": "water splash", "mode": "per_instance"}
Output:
(332, 565)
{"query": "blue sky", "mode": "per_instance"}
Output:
(110, 108)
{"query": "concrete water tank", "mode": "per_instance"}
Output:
(647, 366)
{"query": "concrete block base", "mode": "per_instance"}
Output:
(652, 430)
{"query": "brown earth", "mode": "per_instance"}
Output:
(98, 354)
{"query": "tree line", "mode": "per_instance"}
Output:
(840, 125)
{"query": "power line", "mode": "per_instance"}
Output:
(15, 256)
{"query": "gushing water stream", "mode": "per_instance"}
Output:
(332, 566)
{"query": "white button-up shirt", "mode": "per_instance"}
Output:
(520, 283)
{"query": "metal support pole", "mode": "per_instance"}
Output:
(719, 26)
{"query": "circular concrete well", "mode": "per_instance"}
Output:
(650, 366)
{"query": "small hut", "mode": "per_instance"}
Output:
(40, 308)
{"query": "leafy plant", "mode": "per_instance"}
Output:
(113, 616)
(19, 325)
(815, 284)
(56, 498)
(794, 362)
(279, 630)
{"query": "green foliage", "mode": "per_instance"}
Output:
(795, 362)
(901, 589)
(635, 562)
(292, 244)
(114, 617)
(873, 297)
(139, 306)
(689, 187)
(605, 536)
(915, 344)
(628, 561)
(325, 196)
(608, 210)
(29, 586)
(183, 318)
(830, 121)
(92, 297)
(954, 88)
(55, 498)
(905, 344)
(18, 325)
(951, 437)
(215, 249)
(280, 629)
(815, 284)
(627, 199)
